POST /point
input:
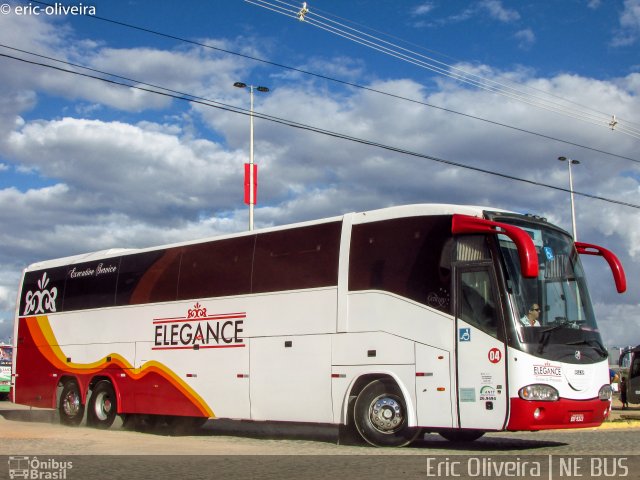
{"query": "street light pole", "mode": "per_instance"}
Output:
(252, 195)
(573, 211)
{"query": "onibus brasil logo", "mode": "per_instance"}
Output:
(35, 468)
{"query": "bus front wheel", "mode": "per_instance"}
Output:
(102, 406)
(380, 415)
(70, 406)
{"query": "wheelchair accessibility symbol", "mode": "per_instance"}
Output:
(464, 334)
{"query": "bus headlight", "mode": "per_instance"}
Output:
(605, 392)
(539, 392)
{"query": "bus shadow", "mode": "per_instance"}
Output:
(485, 444)
(268, 430)
(28, 415)
(327, 433)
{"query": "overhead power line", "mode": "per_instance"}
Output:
(521, 93)
(158, 90)
(346, 83)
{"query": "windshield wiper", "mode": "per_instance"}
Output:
(546, 336)
(551, 329)
(595, 344)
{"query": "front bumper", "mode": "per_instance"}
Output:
(563, 413)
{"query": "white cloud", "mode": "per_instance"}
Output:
(7, 298)
(629, 30)
(423, 9)
(526, 38)
(8, 295)
(194, 69)
(616, 322)
(497, 11)
(140, 171)
(6, 330)
(493, 8)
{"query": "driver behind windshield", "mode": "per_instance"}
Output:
(532, 316)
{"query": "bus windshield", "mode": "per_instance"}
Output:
(552, 315)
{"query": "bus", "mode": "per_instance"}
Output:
(5, 370)
(629, 363)
(386, 323)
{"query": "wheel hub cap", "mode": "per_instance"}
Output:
(103, 406)
(386, 414)
(71, 404)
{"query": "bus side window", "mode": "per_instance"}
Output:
(149, 277)
(91, 284)
(216, 269)
(477, 302)
(410, 257)
(294, 259)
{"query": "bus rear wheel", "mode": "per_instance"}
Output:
(380, 415)
(70, 406)
(102, 406)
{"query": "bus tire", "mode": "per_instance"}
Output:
(102, 407)
(461, 435)
(70, 406)
(380, 415)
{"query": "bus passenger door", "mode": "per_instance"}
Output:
(480, 350)
(633, 382)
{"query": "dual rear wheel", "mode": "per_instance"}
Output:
(102, 409)
(102, 406)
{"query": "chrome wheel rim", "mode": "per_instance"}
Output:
(71, 404)
(103, 406)
(386, 414)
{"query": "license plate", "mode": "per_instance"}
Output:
(576, 417)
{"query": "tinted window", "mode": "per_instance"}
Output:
(409, 257)
(91, 285)
(216, 269)
(149, 277)
(43, 291)
(304, 257)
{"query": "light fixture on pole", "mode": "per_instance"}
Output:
(573, 211)
(251, 170)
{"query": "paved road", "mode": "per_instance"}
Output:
(236, 449)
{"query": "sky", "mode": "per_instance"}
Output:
(466, 88)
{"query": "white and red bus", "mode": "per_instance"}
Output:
(392, 322)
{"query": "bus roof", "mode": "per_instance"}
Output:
(415, 210)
